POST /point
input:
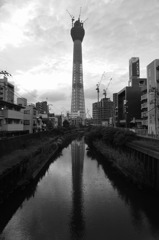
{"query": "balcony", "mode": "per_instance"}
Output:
(145, 122)
(143, 88)
(144, 105)
(12, 127)
(144, 114)
(1, 114)
(144, 97)
(13, 114)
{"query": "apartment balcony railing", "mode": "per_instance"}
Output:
(143, 88)
(144, 97)
(145, 122)
(144, 105)
(144, 114)
(12, 127)
(12, 114)
(1, 115)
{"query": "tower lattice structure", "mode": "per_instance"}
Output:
(78, 100)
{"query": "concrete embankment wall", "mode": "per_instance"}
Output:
(137, 164)
(150, 161)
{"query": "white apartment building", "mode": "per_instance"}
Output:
(11, 117)
(30, 118)
(153, 97)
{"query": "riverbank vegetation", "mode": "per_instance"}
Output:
(111, 143)
(111, 136)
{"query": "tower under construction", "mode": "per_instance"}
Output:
(77, 101)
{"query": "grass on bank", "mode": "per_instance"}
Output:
(127, 164)
(111, 142)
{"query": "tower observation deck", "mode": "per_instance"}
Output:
(77, 101)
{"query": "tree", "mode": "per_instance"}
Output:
(66, 123)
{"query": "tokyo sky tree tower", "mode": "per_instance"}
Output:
(78, 101)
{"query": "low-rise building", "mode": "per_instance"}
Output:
(11, 118)
(30, 118)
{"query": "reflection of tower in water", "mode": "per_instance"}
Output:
(77, 221)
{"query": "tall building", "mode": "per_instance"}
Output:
(102, 111)
(42, 107)
(6, 90)
(144, 103)
(78, 101)
(129, 106)
(22, 102)
(134, 69)
(115, 109)
(153, 97)
(129, 98)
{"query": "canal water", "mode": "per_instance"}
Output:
(80, 198)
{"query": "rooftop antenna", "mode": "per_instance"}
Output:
(84, 21)
(80, 13)
(72, 17)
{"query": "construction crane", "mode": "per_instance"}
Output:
(98, 85)
(88, 114)
(105, 90)
(72, 17)
(97, 88)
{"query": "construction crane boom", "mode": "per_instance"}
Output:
(72, 17)
(98, 85)
(105, 90)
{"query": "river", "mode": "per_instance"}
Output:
(80, 198)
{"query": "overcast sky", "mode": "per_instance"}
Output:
(37, 49)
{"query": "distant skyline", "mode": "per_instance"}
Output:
(37, 49)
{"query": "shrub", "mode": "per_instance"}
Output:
(112, 136)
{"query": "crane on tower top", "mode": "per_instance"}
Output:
(72, 17)
(5, 73)
(105, 90)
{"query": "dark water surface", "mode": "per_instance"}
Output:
(78, 198)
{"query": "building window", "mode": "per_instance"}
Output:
(26, 122)
(26, 111)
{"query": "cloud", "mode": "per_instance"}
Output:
(37, 49)
(53, 95)
(31, 96)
